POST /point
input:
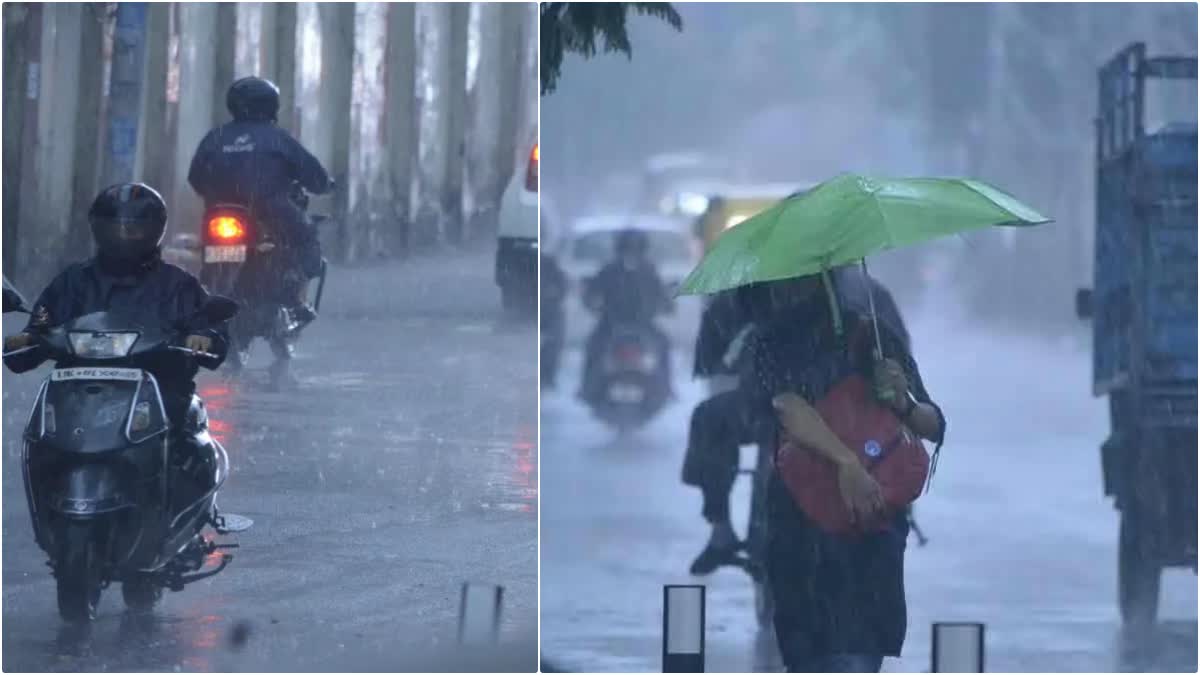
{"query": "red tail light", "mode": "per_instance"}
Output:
(629, 354)
(531, 174)
(226, 229)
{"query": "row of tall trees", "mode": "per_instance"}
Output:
(421, 111)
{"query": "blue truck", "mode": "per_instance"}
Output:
(1143, 311)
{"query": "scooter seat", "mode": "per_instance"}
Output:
(230, 523)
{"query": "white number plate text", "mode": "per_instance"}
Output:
(225, 254)
(131, 374)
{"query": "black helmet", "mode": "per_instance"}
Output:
(632, 241)
(253, 98)
(128, 222)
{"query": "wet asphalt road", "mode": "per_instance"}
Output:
(404, 465)
(1021, 537)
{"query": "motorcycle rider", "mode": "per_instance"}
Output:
(252, 162)
(626, 291)
(128, 276)
(719, 425)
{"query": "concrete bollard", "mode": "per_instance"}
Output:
(683, 629)
(957, 648)
(479, 614)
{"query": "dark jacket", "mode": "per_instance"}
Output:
(255, 164)
(156, 293)
(720, 323)
(628, 296)
(833, 594)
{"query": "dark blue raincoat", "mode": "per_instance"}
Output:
(255, 163)
(155, 293)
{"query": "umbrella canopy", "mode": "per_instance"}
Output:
(846, 219)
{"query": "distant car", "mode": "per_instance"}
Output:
(517, 239)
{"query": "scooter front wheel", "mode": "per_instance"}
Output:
(141, 594)
(77, 572)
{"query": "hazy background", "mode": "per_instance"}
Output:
(799, 92)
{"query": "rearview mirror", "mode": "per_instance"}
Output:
(219, 309)
(13, 302)
(1083, 303)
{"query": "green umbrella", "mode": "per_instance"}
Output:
(846, 219)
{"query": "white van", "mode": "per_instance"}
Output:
(517, 239)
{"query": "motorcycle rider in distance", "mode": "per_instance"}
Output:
(625, 292)
(252, 162)
(128, 276)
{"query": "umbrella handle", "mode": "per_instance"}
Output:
(871, 303)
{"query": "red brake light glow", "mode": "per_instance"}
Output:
(531, 176)
(226, 228)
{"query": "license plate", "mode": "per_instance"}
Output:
(61, 374)
(626, 393)
(225, 254)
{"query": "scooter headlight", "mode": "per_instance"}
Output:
(101, 345)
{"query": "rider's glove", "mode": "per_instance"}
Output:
(199, 343)
(14, 342)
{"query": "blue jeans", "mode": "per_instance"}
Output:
(838, 663)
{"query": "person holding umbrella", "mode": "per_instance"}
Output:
(839, 594)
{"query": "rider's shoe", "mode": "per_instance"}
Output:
(722, 548)
(304, 314)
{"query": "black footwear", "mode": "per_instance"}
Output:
(713, 557)
(304, 314)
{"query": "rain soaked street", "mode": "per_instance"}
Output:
(1020, 535)
(405, 465)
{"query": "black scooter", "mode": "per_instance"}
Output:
(243, 259)
(109, 499)
(632, 385)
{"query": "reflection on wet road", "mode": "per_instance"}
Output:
(1021, 537)
(403, 466)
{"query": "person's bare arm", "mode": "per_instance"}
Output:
(802, 423)
(892, 387)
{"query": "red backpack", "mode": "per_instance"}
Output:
(895, 457)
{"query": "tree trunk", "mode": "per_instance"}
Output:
(86, 166)
(337, 79)
(510, 68)
(400, 121)
(454, 97)
(433, 21)
(197, 91)
(125, 91)
(22, 44)
(226, 55)
(153, 154)
(279, 57)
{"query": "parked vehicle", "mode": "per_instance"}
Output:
(517, 240)
(1143, 311)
